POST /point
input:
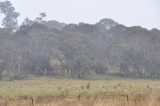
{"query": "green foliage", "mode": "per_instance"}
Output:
(6, 75)
(10, 20)
(82, 51)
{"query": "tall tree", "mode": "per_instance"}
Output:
(10, 20)
(41, 17)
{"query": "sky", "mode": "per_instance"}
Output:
(145, 13)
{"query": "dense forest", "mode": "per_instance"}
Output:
(48, 48)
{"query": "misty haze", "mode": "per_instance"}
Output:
(79, 53)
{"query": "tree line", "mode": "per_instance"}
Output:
(49, 48)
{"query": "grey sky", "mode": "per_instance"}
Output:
(145, 13)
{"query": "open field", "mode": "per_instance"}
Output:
(68, 92)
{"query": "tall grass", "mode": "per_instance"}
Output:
(112, 100)
(61, 92)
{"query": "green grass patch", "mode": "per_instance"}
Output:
(47, 86)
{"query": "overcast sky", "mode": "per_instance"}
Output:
(145, 13)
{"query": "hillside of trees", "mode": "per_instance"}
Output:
(49, 48)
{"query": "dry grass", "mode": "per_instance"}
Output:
(107, 101)
(53, 92)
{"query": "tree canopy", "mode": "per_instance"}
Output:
(10, 20)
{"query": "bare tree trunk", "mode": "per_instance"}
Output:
(19, 67)
(0, 75)
(45, 72)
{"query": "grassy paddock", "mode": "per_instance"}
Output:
(77, 92)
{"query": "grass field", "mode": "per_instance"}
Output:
(68, 92)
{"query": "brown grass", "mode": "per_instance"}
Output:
(110, 100)
(53, 92)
